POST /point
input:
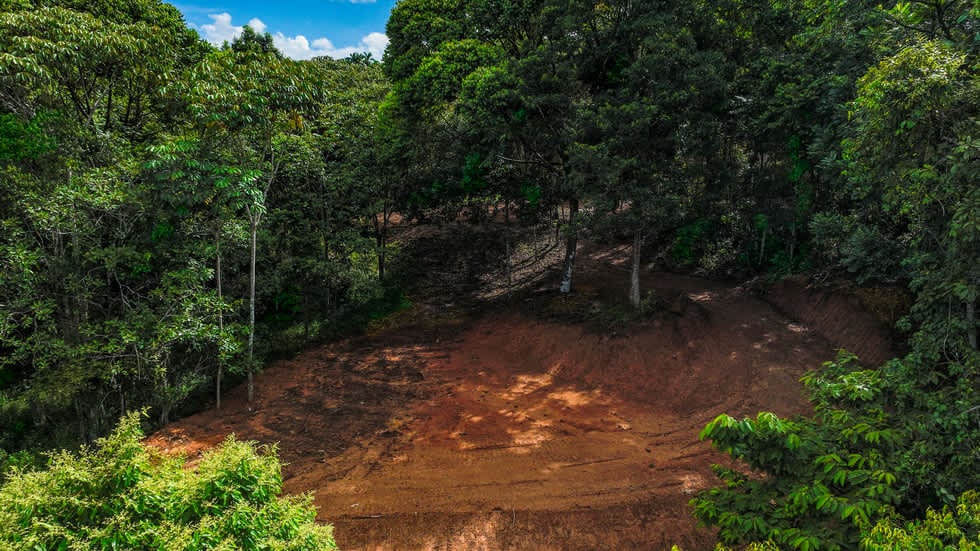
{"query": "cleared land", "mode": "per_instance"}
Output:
(525, 425)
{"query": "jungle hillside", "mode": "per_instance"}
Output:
(548, 275)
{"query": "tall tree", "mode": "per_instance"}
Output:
(256, 43)
(521, 57)
(656, 112)
(246, 105)
(99, 332)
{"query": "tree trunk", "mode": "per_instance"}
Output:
(762, 247)
(571, 245)
(792, 245)
(254, 219)
(221, 319)
(382, 244)
(381, 257)
(255, 212)
(635, 274)
(971, 321)
(381, 237)
(557, 224)
(509, 269)
(82, 432)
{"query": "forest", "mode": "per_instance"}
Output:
(174, 216)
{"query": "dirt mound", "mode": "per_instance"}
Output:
(514, 430)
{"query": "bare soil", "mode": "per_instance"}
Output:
(522, 426)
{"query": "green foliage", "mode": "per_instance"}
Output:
(105, 72)
(135, 162)
(906, 434)
(863, 250)
(531, 194)
(162, 204)
(252, 42)
(121, 495)
(440, 75)
(20, 141)
(953, 528)
(754, 546)
(827, 478)
(92, 307)
(689, 239)
(416, 28)
(474, 171)
(17, 462)
(878, 437)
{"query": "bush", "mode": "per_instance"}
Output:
(901, 438)
(864, 251)
(121, 495)
(949, 529)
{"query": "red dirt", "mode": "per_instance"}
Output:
(509, 431)
(818, 307)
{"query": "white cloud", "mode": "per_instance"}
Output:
(299, 47)
(195, 9)
(257, 25)
(221, 30)
(376, 44)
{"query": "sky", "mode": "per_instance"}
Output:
(300, 29)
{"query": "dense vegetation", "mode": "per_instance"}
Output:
(120, 496)
(172, 213)
(735, 138)
(164, 202)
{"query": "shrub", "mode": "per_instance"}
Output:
(952, 528)
(121, 495)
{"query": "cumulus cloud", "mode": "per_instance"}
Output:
(257, 25)
(221, 30)
(299, 47)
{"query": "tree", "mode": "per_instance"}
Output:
(518, 55)
(252, 42)
(135, 164)
(99, 324)
(245, 105)
(903, 435)
(120, 494)
(364, 162)
(198, 201)
(922, 99)
(104, 73)
(656, 107)
(416, 28)
(827, 477)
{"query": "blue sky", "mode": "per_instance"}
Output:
(301, 29)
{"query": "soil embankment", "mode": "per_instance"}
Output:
(516, 430)
(839, 316)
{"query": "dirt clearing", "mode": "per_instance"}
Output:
(517, 430)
